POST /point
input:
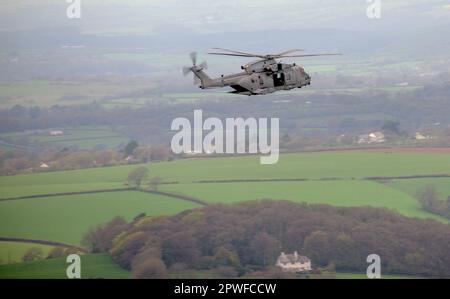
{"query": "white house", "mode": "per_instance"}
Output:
(375, 137)
(56, 133)
(293, 263)
(420, 136)
(44, 165)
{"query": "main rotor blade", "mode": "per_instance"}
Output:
(238, 55)
(194, 58)
(237, 52)
(310, 55)
(274, 56)
(288, 52)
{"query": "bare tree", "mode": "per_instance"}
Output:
(137, 176)
(155, 182)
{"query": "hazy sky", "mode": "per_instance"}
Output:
(159, 16)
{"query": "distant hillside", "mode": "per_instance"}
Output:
(426, 41)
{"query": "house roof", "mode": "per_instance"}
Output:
(292, 258)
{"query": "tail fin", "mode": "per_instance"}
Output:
(204, 78)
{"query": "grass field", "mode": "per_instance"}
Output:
(345, 165)
(338, 193)
(12, 252)
(18, 191)
(101, 266)
(66, 218)
(45, 93)
(83, 137)
(336, 178)
(92, 266)
(442, 185)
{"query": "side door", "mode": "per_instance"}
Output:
(279, 79)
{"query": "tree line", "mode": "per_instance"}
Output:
(430, 200)
(243, 239)
(65, 158)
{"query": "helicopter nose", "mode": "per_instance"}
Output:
(308, 79)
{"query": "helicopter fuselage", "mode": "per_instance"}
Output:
(262, 76)
(258, 78)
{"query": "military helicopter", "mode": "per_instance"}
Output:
(262, 76)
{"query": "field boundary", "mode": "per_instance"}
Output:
(42, 242)
(408, 177)
(201, 202)
(374, 178)
(386, 149)
(175, 195)
(82, 139)
(374, 149)
(68, 193)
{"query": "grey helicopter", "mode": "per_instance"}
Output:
(262, 76)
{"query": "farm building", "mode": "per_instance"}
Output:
(56, 133)
(420, 136)
(44, 165)
(375, 137)
(293, 263)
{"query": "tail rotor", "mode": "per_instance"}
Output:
(194, 68)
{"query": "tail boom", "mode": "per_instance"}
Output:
(206, 81)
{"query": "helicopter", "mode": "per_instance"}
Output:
(262, 76)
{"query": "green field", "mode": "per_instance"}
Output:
(12, 252)
(18, 191)
(83, 137)
(344, 165)
(101, 266)
(337, 193)
(45, 93)
(92, 266)
(411, 186)
(66, 218)
(349, 167)
(336, 178)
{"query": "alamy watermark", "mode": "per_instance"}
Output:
(74, 269)
(74, 9)
(236, 136)
(374, 269)
(374, 9)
